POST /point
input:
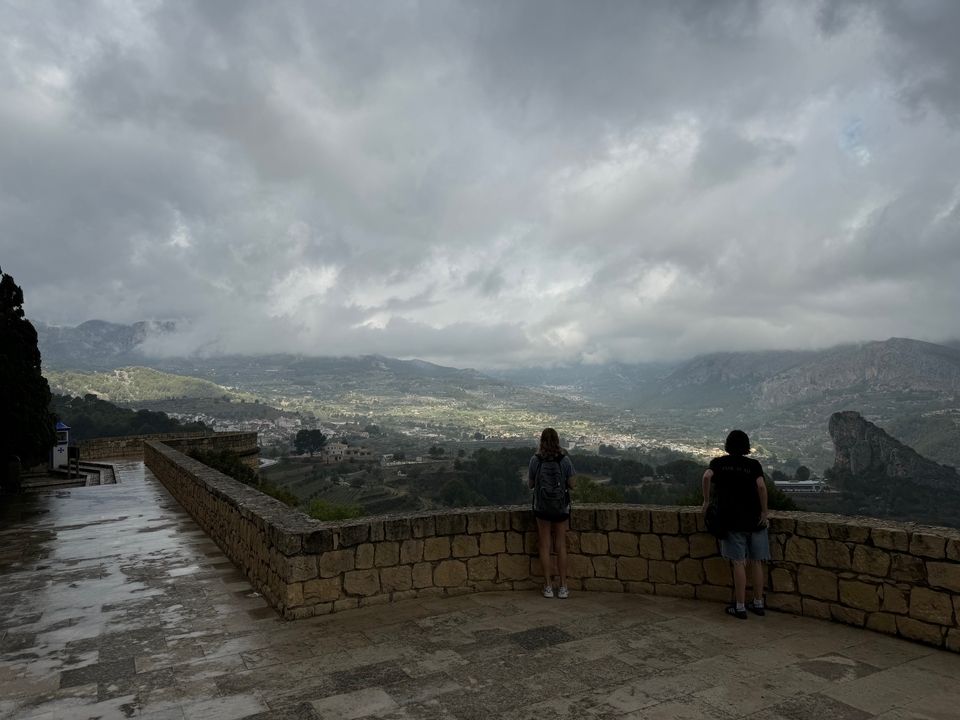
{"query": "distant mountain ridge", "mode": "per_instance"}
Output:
(96, 344)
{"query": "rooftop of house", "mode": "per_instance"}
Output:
(115, 604)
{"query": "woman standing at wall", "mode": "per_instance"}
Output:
(550, 476)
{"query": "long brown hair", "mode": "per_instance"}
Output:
(550, 444)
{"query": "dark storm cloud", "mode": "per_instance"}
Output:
(485, 183)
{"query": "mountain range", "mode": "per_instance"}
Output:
(782, 398)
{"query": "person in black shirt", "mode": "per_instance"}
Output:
(740, 495)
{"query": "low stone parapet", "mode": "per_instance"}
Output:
(895, 578)
(243, 444)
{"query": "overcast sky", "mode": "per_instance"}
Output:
(485, 183)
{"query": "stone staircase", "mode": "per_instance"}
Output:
(91, 473)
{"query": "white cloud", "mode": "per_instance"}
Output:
(485, 184)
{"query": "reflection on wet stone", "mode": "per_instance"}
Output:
(161, 625)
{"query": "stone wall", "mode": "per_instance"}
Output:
(894, 578)
(242, 443)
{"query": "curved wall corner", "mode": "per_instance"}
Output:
(895, 578)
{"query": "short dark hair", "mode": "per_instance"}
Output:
(737, 443)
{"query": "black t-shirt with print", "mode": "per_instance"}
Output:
(735, 488)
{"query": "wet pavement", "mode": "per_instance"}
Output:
(115, 605)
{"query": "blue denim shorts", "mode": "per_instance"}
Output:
(746, 545)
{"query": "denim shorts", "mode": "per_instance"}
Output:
(746, 545)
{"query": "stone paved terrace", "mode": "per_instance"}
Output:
(115, 605)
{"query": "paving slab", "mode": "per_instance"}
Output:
(117, 605)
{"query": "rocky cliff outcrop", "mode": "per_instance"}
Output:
(863, 449)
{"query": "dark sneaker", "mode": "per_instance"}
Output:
(738, 614)
(756, 609)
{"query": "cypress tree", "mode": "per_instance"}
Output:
(26, 423)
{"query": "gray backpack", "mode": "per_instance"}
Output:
(550, 495)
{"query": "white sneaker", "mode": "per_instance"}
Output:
(563, 593)
(548, 591)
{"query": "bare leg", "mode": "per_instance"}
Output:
(740, 581)
(560, 548)
(756, 567)
(543, 533)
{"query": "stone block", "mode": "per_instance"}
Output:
(397, 529)
(623, 544)
(953, 549)
(361, 582)
(675, 547)
(465, 546)
(492, 543)
(689, 521)
(816, 609)
(482, 568)
(882, 622)
(336, 562)
(928, 545)
(531, 543)
(481, 522)
(411, 551)
(322, 609)
(579, 566)
(634, 520)
(605, 567)
(318, 541)
(422, 527)
(782, 580)
(782, 524)
(451, 524)
(573, 541)
(514, 542)
(678, 591)
(850, 531)
(503, 519)
(602, 585)
(944, 575)
(396, 579)
(813, 529)
(890, 538)
(374, 600)
(346, 604)
(322, 591)
(871, 561)
(649, 547)
(294, 595)
(690, 571)
(583, 519)
(643, 588)
(297, 568)
(703, 545)
(784, 602)
(606, 518)
(931, 606)
(714, 593)
(522, 521)
(388, 554)
(436, 548)
(953, 640)
(632, 568)
(593, 543)
(717, 570)
(422, 575)
(296, 613)
(817, 583)
(801, 550)
(834, 554)
(664, 522)
(365, 556)
(919, 630)
(848, 616)
(895, 599)
(860, 595)
(513, 567)
(355, 534)
(907, 568)
(661, 571)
